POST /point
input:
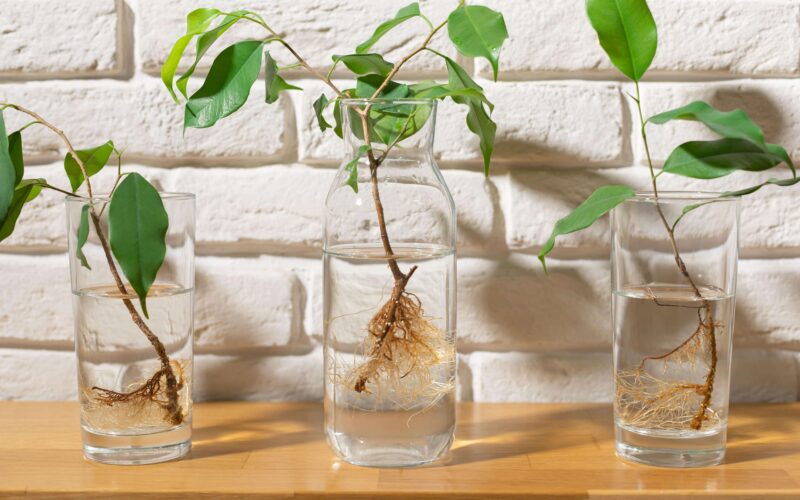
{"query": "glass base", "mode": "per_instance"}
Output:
(138, 449)
(413, 453)
(671, 448)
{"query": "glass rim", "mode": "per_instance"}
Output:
(388, 100)
(105, 197)
(678, 196)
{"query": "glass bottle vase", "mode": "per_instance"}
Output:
(134, 372)
(674, 287)
(389, 290)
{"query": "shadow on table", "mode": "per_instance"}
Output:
(746, 435)
(297, 424)
(481, 439)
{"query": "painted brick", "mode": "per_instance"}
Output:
(756, 375)
(539, 123)
(143, 120)
(38, 375)
(512, 305)
(773, 104)
(44, 39)
(274, 378)
(244, 303)
(317, 30)
(696, 39)
(538, 198)
(277, 208)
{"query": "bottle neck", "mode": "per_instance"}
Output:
(400, 132)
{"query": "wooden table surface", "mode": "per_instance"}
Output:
(508, 451)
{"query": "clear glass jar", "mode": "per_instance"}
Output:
(136, 403)
(673, 333)
(389, 291)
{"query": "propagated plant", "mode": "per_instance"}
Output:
(399, 334)
(627, 33)
(137, 228)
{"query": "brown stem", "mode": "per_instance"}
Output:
(710, 327)
(173, 406)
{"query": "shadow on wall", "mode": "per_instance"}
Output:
(761, 108)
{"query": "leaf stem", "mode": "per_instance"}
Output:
(707, 325)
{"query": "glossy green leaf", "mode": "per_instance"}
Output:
(478, 120)
(780, 152)
(478, 31)
(770, 182)
(8, 173)
(15, 152)
(319, 106)
(337, 118)
(83, 237)
(196, 22)
(352, 168)
(732, 124)
(424, 90)
(481, 124)
(36, 187)
(367, 85)
(18, 199)
(137, 226)
(408, 12)
(227, 85)
(273, 81)
(599, 203)
(627, 32)
(93, 159)
(204, 42)
(365, 64)
(713, 159)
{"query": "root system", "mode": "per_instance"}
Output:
(403, 348)
(645, 399)
(155, 390)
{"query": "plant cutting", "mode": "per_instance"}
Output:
(672, 313)
(404, 354)
(113, 288)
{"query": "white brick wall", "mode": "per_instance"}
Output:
(565, 127)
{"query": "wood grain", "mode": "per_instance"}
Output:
(502, 451)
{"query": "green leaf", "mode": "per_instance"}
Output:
(274, 83)
(93, 159)
(319, 106)
(18, 200)
(15, 152)
(204, 42)
(425, 90)
(83, 236)
(196, 22)
(713, 159)
(36, 187)
(478, 31)
(733, 124)
(352, 167)
(365, 64)
(770, 182)
(337, 118)
(627, 32)
(8, 173)
(777, 150)
(227, 85)
(478, 120)
(137, 226)
(599, 203)
(408, 12)
(366, 86)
